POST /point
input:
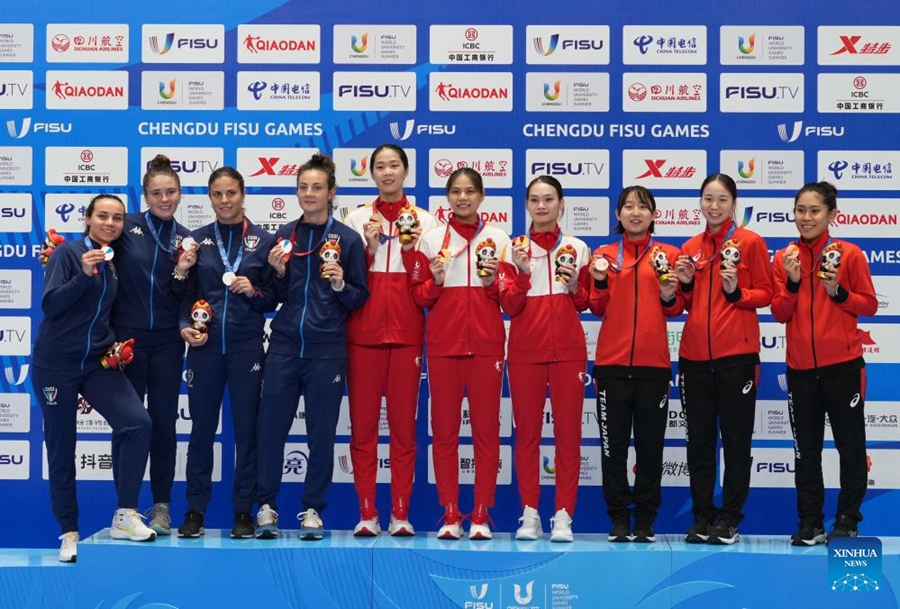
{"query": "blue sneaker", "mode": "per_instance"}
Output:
(311, 526)
(266, 523)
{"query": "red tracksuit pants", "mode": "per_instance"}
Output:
(481, 379)
(395, 372)
(528, 388)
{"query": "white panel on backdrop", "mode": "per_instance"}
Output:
(496, 210)
(193, 165)
(675, 470)
(274, 167)
(270, 212)
(882, 422)
(859, 93)
(15, 459)
(15, 413)
(858, 45)
(672, 169)
(465, 428)
(15, 289)
(586, 216)
(16, 212)
(742, 92)
(772, 420)
(763, 169)
(494, 164)
(774, 468)
(352, 167)
(591, 335)
(87, 42)
(676, 426)
(567, 44)
(195, 211)
(574, 168)
(285, 91)
(16, 43)
(16, 89)
(770, 217)
(860, 169)
(381, 91)
(664, 92)
(590, 427)
(87, 90)
(93, 461)
(298, 426)
(92, 166)
(266, 44)
(16, 165)
(470, 91)
(567, 92)
(590, 473)
(754, 45)
(467, 465)
(887, 290)
(678, 216)
(183, 43)
(471, 44)
(879, 343)
(683, 45)
(171, 90)
(65, 212)
(374, 44)
(866, 218)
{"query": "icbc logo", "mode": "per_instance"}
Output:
(277, 203)
(859, 82)
(87, 156)
(471, 34)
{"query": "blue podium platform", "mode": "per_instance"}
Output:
(424, 572)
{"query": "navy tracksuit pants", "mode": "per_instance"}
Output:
(110, 394)
(208, 372)
(321, 383)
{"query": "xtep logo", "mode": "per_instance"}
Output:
(167, 92)
(359, 45)
(848, 45)
(746, 171)
(551, 91)
(746, 47)
(654, 168)
(268, 167)
(358, 168)
(551, 47)
(166, 46)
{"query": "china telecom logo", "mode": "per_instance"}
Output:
(551, 91)
(359, 45)
(746, 47)
(550, 48)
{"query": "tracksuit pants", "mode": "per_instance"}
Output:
(110, 394)
(713, 402)
(156, 373)
(528, 383)
(641, 405)
(208, 372)
(321, 383)
(395, 372)
(842, 397)
(481, 379)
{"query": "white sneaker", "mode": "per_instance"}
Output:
(160, 519)
(452, 527)
(562, 527)
(478, 527)
(311, 526)
(68, 552)
(266, 522)
(128, 524)
(530, 529)
(367, 527)
(400, 527)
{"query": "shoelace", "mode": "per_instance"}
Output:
(537, 518)
(134, 518)
(489, 519)
(313, 516)
(273, 515)
(566, 520)
(461, 518)
(160, 514)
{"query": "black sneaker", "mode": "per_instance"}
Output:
(192, 525)
(243, 527)
(621, 529)
(643, 530)
(699, 531)
(809, 533)
(844, 526)
(725, 532)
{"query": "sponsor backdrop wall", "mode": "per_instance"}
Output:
(601, 95)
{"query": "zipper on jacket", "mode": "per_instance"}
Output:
(634, 326)
(812, 320)
(551, 281)
(709, 302)
(87, 349)
(468, 293)
(153, 279)
(306, 293)
(225, 308)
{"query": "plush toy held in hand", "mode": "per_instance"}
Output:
(51, 241)
(118, 355)
(201, 315)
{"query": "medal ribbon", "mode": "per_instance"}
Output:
(156, 235)
(698, 261)
(550, 251)
(446, 240)
(294, 251)
(230, 268)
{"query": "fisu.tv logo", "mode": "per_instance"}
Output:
(27, 126)
(409, 128)
(809, 131)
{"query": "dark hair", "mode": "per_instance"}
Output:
(319, 162)
(724, 179)
(90, 208)
(469, 173)
(400, 152)
(160, 165)
(226, 172)
(826, 190)
(644, 196)
(550, 181)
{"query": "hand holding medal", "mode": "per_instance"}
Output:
(792, 262)
(599, 267)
